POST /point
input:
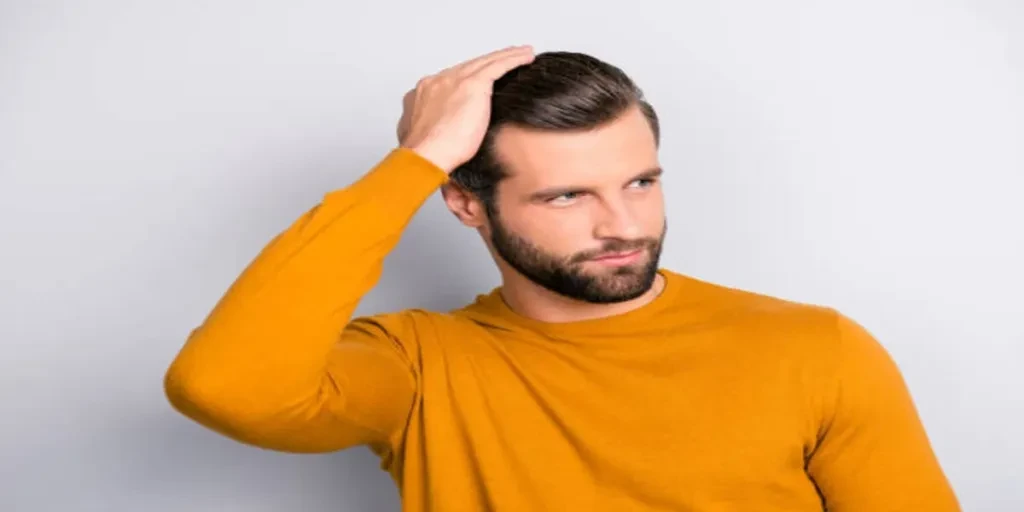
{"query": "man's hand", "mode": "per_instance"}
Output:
(445, 117)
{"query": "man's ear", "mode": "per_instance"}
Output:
(464, 204)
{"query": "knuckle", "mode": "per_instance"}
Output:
(425, 82)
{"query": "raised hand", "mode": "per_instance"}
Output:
(445, 117)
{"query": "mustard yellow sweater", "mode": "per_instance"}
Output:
(708, 399)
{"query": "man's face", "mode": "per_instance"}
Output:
(582, 214)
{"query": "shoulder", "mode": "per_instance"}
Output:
(745, 303)
(414, 327)
(814, 329)
(412, 322)
(823, 343)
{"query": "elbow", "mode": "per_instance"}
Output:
(204, 399)
(194, 395)
(226, 410)
(200, 387)
(207, 391)
(226, 401)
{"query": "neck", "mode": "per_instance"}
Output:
(532, 301)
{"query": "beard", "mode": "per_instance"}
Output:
(567, 276)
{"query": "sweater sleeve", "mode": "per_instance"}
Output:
(279, 362)
(873, 453)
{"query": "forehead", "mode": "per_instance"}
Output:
(609, 153)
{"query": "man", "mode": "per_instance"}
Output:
(592, 379)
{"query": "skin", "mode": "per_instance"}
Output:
(571, 197)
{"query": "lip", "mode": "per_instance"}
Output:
(620, 258)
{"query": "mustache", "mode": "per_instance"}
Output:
(615, 246)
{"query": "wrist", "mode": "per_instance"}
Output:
(434, 156)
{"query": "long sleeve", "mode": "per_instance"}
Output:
(874, 453)
(280, 362)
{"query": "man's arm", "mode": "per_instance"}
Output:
(874, 454)
(279, 362)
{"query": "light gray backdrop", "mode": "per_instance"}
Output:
(862, 154)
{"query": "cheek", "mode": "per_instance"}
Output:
(557, 231)
(651, 214)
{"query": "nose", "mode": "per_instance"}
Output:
(616, 219)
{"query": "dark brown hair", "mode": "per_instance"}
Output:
(558, 91)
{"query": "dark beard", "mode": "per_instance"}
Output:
(566, 277)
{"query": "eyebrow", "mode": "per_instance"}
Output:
(548, 193)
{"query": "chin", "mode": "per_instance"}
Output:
(616, 296)
(619, 286)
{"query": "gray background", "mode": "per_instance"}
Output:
(863, 154)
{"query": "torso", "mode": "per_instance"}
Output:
(708, 415)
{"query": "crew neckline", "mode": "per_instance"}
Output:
(493, 305)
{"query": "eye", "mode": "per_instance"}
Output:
(565, 198)
(643, 182)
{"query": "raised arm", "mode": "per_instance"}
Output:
(279, 362)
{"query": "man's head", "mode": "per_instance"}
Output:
(568, 173)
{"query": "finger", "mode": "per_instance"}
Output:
(495, 69)
(403, 121)
(470, 67)
(480, 59)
